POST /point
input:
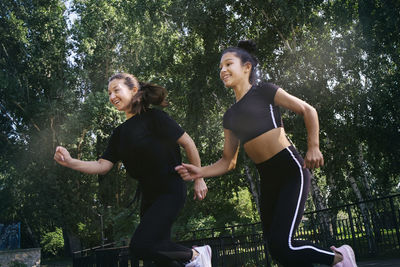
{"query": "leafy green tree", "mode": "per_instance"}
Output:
(34, 74)
(340, 56)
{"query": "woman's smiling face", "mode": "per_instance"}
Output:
(232, 71)
(120, 95)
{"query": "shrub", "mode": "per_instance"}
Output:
(53, 243)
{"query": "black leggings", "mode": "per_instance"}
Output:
(284, 189)
(152, 238)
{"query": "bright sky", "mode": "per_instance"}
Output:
(70, 17)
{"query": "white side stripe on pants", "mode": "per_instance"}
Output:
(297, 210)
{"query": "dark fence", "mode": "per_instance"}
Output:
(371, 227)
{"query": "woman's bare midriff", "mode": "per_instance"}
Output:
(267, 145)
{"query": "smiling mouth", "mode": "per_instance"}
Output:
(225, 78)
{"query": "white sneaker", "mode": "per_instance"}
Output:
(203, 259)
(205, 255)
(349, 259)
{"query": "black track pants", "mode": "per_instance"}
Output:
(152, 238)
(284, 189)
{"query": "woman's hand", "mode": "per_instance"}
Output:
(189, 172)
(62, 156)
(102, 166)
(313, 159)
(200, 189)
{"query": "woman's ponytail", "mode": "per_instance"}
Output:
(248, 45)
(148, 94)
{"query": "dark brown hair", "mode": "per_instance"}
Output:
(245, 50)
(147, 94)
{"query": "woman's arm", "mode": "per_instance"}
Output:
(200, 187)
(223, 165)
(314, 158)
(63, 158)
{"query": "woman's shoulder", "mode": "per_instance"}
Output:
(267, 89)
(159, 115)
(155, 112)
(116, 131)
(267, 85)
(226, 119)
(228, 113)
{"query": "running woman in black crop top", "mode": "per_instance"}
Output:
(148, 145)
(255, 121)
(254, 114)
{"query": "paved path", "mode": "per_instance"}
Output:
(393, 262)
(380, 263)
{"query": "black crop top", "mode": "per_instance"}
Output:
(146, 144)
(254, 114)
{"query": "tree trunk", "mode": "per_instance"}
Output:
(376, 219)
(254, 185)
(35, 242)
(323, 218)
(316, 195)
(364, 213)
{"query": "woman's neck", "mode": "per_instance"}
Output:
(241, 89)
(129, 115)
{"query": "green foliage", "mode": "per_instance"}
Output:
(340, 56)
(52, 243)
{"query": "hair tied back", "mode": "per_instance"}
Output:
(248, 45)
(143, 86)
(150, 93)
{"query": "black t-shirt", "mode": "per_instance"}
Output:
(147, 146)
(254, 114)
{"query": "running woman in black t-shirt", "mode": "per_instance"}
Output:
(148, 145)
(255, 121)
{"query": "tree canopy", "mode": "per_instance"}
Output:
(56, 56)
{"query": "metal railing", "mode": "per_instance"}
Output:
(371, 227)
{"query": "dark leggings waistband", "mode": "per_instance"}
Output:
(278, 157)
